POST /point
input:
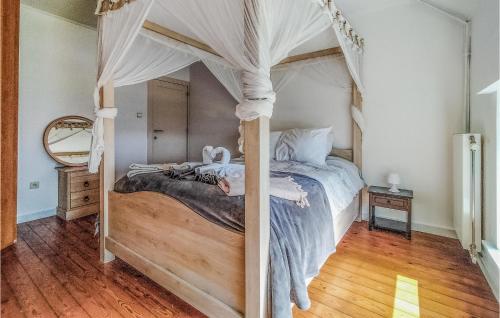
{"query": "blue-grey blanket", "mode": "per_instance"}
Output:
(301, 238)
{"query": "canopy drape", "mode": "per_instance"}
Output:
(117, 32)
(129, 55)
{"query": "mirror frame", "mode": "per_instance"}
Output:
(46, 137)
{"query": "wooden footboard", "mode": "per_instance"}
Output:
(193, 258)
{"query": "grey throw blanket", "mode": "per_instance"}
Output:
(301, 238)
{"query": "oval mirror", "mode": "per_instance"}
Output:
(67, 140)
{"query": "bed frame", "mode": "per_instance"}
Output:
(201, 262)
(220, 272)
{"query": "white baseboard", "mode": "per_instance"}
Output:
(489, 261)
(436, 230)
(21, 218)
(423, 227)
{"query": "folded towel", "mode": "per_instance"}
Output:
(285, 188)
(221, 170)
(212, 168)
(137, 168)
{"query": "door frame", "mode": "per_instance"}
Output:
(9, 92)
(150, 113)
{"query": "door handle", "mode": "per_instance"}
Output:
(158, 130)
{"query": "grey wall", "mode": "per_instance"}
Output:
(131, 132)
(211, 114)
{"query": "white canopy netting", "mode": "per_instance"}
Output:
(244, 43)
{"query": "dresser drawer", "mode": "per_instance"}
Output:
(77, 177)
(391, 203)
(84, 184)
(82, 198)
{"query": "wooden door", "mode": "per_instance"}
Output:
(9, 65)
(167, 120)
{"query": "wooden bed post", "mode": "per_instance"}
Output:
(357, 143)
(257, 219)
(107, 169)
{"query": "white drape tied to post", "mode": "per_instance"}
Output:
(260, 97)
(259, 102)
(98, 136)
(358, 118)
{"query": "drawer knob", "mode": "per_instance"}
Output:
(388, 201)
(86, 184)
(86, 198)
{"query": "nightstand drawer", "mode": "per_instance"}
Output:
(391, 203)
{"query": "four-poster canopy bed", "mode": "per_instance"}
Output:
(220, 272)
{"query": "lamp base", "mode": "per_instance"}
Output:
(394, 189)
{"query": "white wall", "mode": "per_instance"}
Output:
(484, 71)
(310, 101)
(413, 72)
(56, 78)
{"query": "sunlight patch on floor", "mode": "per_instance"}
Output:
(406, 298)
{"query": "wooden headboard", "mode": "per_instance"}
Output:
(346, 154)
(355, 154)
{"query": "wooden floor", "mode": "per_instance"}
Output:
(54, 271)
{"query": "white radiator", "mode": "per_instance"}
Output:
(467, 191)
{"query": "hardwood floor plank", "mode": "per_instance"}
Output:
(63, 304)
(422, 274)
(29, 297)
(385, 292)
(10, 306)
(373, 270)
(372, 274)
(320, 310)
(130, 284)
(72, 278)
(417, 254)
(341, 305)
(115, 294)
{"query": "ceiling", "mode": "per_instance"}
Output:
(357, 8)
(80, 11)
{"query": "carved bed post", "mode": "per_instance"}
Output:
(107, 169)
(357, 143)
(257, 219)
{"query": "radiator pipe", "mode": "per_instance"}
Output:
(473, 148)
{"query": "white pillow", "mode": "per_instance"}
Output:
(274, 136)
(305, 145)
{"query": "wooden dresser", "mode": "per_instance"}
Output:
(78, 192)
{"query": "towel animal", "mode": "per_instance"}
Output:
(209, 154)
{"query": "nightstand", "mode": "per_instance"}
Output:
(382, 197)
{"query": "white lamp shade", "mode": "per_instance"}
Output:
(393, 178)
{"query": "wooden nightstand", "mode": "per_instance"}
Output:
(382, 197)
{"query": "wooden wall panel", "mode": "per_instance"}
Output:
(9, 82)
